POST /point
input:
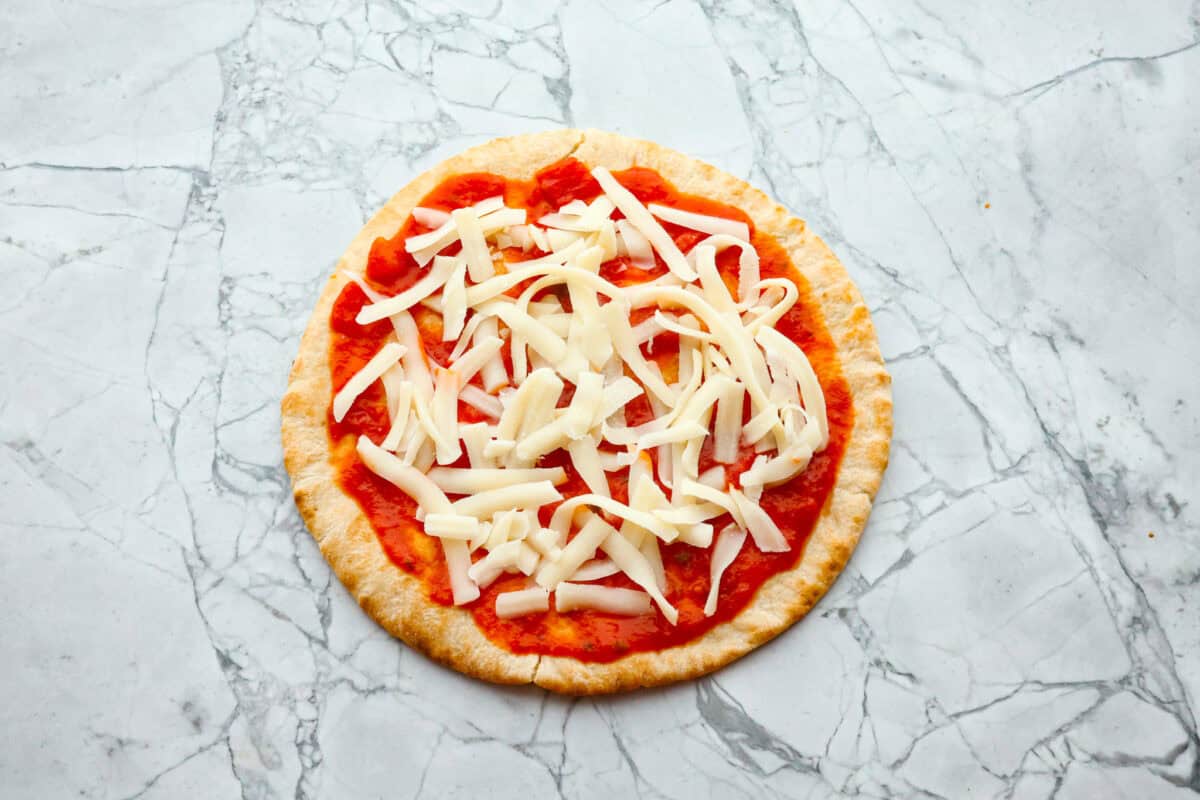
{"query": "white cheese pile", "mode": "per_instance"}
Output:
(729, 358)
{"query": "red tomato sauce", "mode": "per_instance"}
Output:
(586, 635)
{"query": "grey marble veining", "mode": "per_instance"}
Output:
(1016, 189)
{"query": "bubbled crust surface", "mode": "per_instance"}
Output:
(397, 601)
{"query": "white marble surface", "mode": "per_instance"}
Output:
(1015, 188)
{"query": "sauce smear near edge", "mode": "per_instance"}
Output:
(587, 635)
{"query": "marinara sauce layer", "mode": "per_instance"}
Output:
(586, 635)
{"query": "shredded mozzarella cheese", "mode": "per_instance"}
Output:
(564, 373)
(520, 603)
(372, 371)
(609, 599)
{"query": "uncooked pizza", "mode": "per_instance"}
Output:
(580, 411)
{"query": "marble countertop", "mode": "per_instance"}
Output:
(1015, 189)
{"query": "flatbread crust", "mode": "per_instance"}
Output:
(397, 601)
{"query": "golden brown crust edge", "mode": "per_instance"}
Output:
(449, 635)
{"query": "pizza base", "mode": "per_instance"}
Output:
(397, 600)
